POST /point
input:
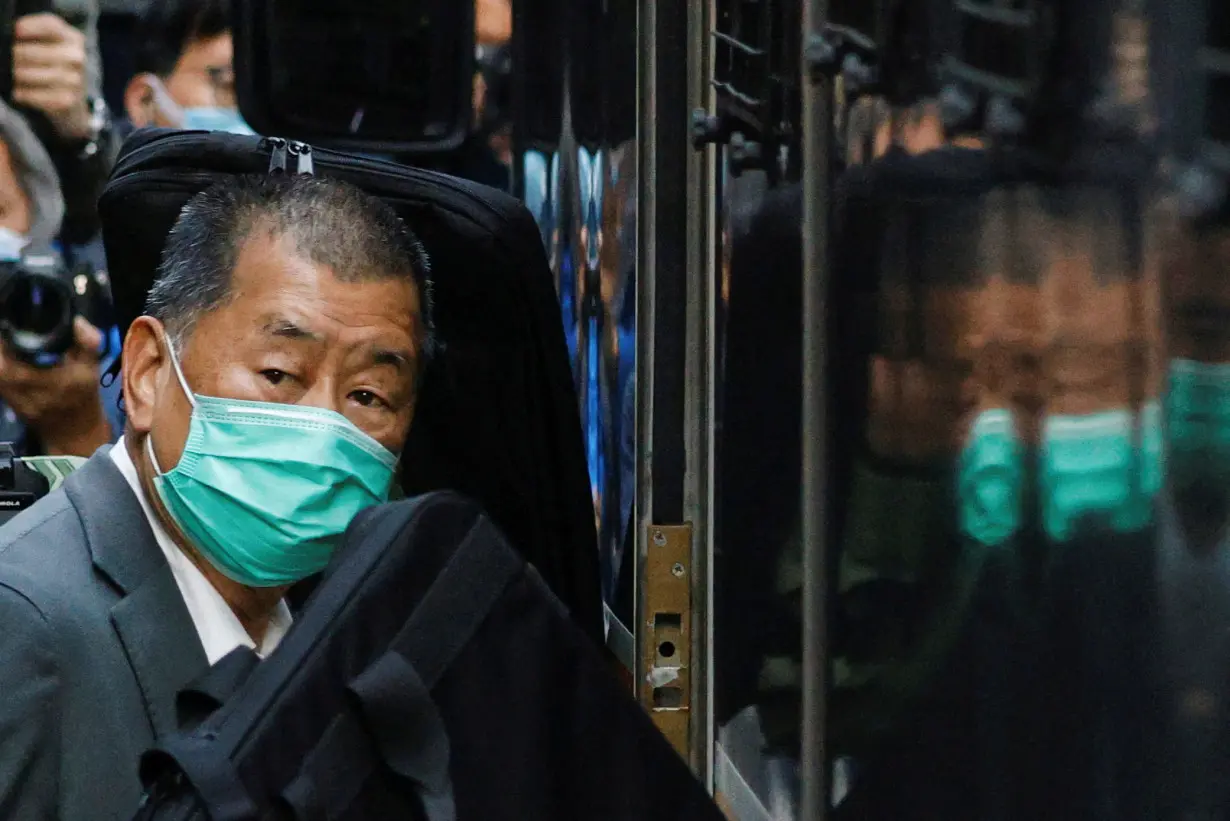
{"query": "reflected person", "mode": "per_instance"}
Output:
(269, 389)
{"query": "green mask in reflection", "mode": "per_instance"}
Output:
(1092, 469)
(989, 479)
(1198, 422)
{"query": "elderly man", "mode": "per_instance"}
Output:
(268, 392)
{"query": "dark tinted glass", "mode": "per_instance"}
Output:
(860, 15)
(371, 71)
(995, 48)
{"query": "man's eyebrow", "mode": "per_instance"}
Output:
(284, 328)
(398, 359)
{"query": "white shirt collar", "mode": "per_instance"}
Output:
(216, 624)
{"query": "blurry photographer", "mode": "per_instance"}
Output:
(55, 410)
(57, 84)
(184, 73)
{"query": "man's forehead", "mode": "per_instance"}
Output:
(297, 323)
(382, 343)
(280, 291)
(279, 324)
(271, 259)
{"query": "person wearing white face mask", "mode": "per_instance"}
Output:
(184, 74)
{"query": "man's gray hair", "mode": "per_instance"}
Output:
(328, 222)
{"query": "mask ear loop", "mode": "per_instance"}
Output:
(179, 372)
(149, 453)
(163, 99)
(183, 384)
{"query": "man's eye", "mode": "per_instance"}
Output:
(274, 376)
(367, 399)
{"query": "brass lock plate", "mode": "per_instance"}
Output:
(666, 686)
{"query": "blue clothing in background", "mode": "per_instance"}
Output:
(14, 430)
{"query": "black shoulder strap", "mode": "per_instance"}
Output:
(202, 697)
(458, 602)
(394, 696)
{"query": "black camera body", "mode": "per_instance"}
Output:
(20, 485)
(40, 296)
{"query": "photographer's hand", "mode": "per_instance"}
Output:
(61, 405)
(49, 67)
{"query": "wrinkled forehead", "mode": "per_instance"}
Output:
(276, 300)
(274, 277)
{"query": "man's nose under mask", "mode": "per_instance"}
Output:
(198, 118)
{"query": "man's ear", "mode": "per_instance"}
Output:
(144, 357)
(140, 103)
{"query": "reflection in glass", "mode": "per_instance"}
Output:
(602, 311)
(578, 180)
(1008, 464)
(598, 362)
(1031, 418)
(1193, 557)
(997, 647)
(894, 636)
(540, 190)
(586, 313)
(617, 265)
(756, 574)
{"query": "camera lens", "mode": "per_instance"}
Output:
(37, 315)
(43, 306)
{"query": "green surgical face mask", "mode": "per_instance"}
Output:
(264, 491)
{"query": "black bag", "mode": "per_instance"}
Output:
(498, 416)
(433, 676)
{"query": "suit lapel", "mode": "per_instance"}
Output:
(163, 649)
(150, 618)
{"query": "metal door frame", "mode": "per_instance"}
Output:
(817, 140)
(676, 265)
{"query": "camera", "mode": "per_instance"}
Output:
(20, 484)
(40, 296)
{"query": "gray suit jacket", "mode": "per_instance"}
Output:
(95, 642)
